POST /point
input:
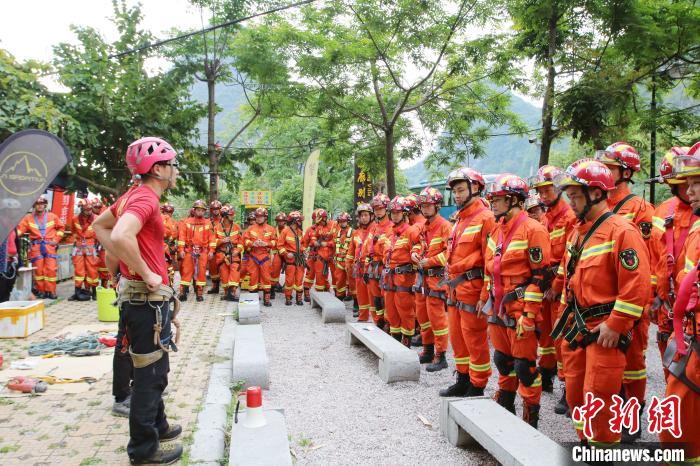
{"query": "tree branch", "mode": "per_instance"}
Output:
(98, 186)
(377, 94)
(344, 107)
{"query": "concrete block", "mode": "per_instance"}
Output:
(263, 446)
(396, 362)
(208, 442)
(332, 309)
(482, 420)
(250, 362)
(249, 309)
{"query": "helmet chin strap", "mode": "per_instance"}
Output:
(589, 204)
(471, 196)
(555, 201)
(675, 192)
(510, 207)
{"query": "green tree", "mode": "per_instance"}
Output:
(116, 101)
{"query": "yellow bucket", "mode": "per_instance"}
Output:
(106, 311)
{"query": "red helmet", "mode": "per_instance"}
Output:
(167, 208)
(261, 212)
(344, 217)
(465, 174)
(143, 153)
(621, 154)
(41, 200)
(294, 216)
(227, 210)
(281, 217)
(251, 215)
(430, 196)
(586, 172)
(321, 214)
(533, 200)
(666, 167)
(363, 207)
(411, 201)
(508, 184)
(199, 204)
(398, 203)
(214, 205)
(379, 201)
(687, 165)
(545, 176)
(84, 203)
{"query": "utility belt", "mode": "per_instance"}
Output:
(373, 270)
(471, 274)
(515, 294)
(387, 282)
(578, 327)
(136, 292)
(503, 321)
(194, 250)
(678, 368)
(462, 306)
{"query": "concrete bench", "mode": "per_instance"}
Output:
(396, 362)
(250, 362)
(267, 445)
(332, 309)
(249, 309)
(511, 441)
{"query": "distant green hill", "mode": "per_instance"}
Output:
(512, 153)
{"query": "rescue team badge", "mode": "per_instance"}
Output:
(535, 255)
(645, 227)
(629, 259)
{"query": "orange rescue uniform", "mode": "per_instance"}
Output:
(84, 251)
(259, 265)
(343, 237)
(196, 239)
(229, 247)
(354, 265)
(45, 232)
(291, 242)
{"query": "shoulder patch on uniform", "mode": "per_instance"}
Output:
(535, 255)
(629, 259)
(645, 228)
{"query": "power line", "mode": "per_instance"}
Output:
(210, 28)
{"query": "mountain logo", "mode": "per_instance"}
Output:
(23, 173)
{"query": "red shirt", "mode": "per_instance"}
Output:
(143, 203)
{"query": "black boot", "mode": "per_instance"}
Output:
(350, 297)
(475, 391)
(307, 295)
(459, 388)
(355, 308)
(531, 414)
(506, 399)
(396, 336)
(562, 407)
(427, 355)
(287, 300)
(93, 293)
(547, 375)
(629, 438)
(380, 323)
(200, 298)
(266, 299)
(417, 340)
(300, 300)
(439, 363)
(77, 295)
(161, 456)
(214, 287)
(272, 293)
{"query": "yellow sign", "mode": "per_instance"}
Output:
(256, 198)
(310, 177)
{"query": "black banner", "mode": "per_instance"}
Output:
(29, 161)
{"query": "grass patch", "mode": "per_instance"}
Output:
(9, 448)
(92, 460)
(6, 402)
(95, 403)
(212, 358)
(69, 428)
(43, 437)
(305, 442)
(120, 450)
(57, 445)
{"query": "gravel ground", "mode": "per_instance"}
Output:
(338, 411)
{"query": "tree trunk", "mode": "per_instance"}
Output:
(389, 149)
(548, 101)
(211, 141)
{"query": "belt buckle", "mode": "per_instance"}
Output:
(519, 292)
(468, 275)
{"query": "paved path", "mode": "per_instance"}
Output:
(78, 429)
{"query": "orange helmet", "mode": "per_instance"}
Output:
(430, 196)
(294, 216)
(167, 208)
(199, 204)
(281, 217)
(545, 176)
(363, 207)
(508, 184)
(621, 154)
(586, 172)
(666, 174)
(344, 217)
(379, 201)
(411, 201)
(261, 212)
(214, 205)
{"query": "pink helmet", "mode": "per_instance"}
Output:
(145, 152)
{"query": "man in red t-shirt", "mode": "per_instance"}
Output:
(132, 231)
